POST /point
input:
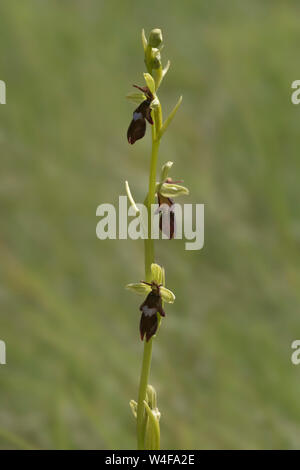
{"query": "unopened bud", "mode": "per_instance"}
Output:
(165, 171)
(156, 61)
(151, 397)
(155, 38)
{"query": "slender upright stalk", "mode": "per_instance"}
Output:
(145, 410)
(149, 243)
(149, 259)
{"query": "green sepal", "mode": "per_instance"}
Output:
(167, 295)
(139, 288)
(150, 82)
(165, 171)
(136, 97)
(156, 273)
(173, 190)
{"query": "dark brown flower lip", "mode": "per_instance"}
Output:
(148, 326)
(149, 308)
(137, 127)
(162, 200)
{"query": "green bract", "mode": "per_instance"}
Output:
(166, 68)
(144, 40)
(131, 200)
(152, 435)
(169, 118)
(151, 396)
(133, 407)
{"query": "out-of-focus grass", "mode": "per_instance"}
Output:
(221, 364)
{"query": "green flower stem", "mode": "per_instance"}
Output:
(149, 244)
(149, 259)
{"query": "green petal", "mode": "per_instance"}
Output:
(167, 295)
(139, 288)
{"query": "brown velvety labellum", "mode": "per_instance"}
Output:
(137, 127)
(149, 309)
(169, 231)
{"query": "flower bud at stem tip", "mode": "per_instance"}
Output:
(155, 38)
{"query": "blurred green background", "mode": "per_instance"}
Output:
(221, 363)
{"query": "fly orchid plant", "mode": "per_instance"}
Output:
(153, 288)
